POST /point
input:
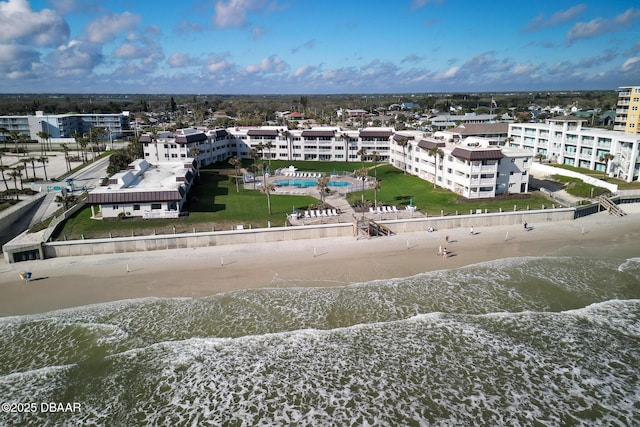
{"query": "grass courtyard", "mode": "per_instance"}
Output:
(214, 204)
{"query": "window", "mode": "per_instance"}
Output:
(156, 206)
(136, 207)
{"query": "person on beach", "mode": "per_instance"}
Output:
(447, 238)
(440, 250)
(525, 227)
(445, 254)
(471, 231)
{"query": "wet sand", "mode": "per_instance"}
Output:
(70, 282)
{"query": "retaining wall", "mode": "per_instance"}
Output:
(219, 238)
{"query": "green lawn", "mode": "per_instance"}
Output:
(399, 189)
(579, 188)
(213, 203)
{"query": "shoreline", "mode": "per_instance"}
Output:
(67, 282)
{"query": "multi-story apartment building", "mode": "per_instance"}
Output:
(62, 127)
(269, 142)
(628, 110)
(564, 140)
(471, 167)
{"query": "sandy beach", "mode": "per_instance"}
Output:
(70, 282)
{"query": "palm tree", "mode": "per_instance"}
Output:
(23, 139)
(362, 174)
(14, 135)
(436, 152)
(77, 137)
(44, 136)
(266, 187)
(4, 132)
(66, 199)
(403, 142)
(44, 160)
(362, 152)
(32, 160)
(540, 157)
(605, 158)
(323, 187)
(26, 173)
(269, 145)
(84, 142)
(14, 174)
(195, 152)
(253, 170)
(236, 163)
(19, 169)
(286, 135)
(4, 178)
(65, 148)
(375, 156)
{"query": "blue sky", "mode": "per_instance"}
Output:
(316, 46)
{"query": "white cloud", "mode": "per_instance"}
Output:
(233, 13)
(19, 23)
(272, 64)
(217, 64)
(304, 71)
(557, 18)
(107, 28)
(178, 60)
(76, 57)
(631, 64)
(599, 26)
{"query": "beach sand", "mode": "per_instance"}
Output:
(70, 282)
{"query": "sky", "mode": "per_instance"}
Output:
(317, 46)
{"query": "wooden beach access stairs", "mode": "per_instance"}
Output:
(368, 228)
(607, 204)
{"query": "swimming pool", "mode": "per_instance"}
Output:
(338, 183)
(304, 183)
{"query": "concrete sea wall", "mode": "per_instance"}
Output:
(219, 238)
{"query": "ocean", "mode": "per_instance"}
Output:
(536, 341)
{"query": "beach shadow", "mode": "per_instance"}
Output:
(38, 278)
(529, 229)
(317, 254)
(228, 263)
(135, 269)
(509, 238)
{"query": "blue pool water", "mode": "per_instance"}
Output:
(303, 183)
(296, 182)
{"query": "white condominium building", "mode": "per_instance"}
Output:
(564, 140)
(471, 167)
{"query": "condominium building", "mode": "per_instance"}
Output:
(62, 127)
(472, 167)
(628, 110)
(144, 190)
(566, 141)
(268, 142)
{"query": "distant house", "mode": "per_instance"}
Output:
(144, 190)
